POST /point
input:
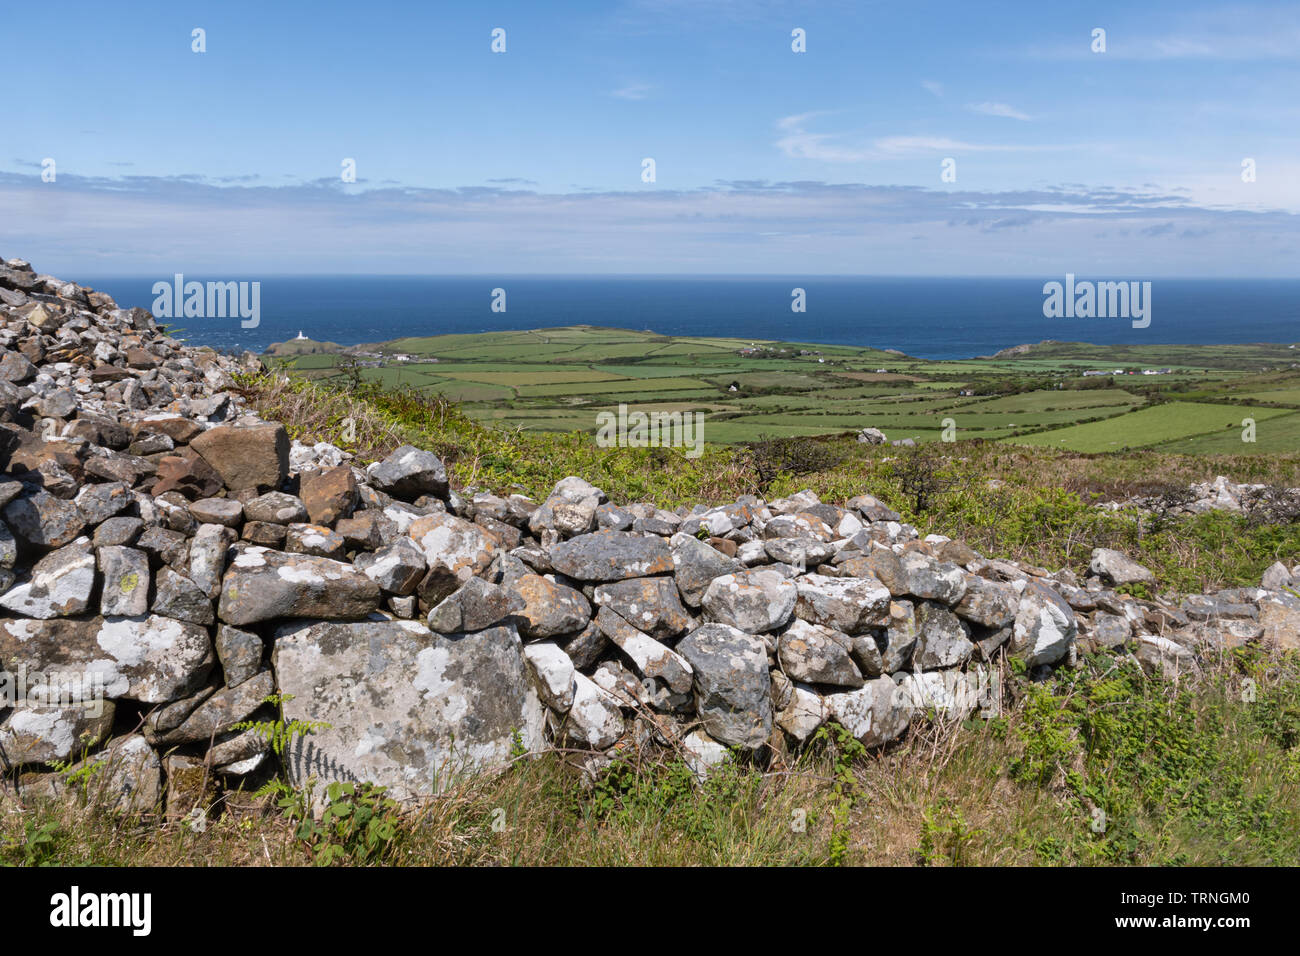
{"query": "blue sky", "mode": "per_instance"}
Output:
(828, 161)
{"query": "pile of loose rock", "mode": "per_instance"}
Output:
(175, 561)
(1221, 494)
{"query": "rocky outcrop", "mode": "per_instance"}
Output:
(169, 561)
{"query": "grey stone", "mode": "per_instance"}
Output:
(126, 581)
(733, 694)
(754, 601)
(262, 584)
(406, 709)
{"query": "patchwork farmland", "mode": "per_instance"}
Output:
(1069, 396)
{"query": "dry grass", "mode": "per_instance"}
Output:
(948, 794)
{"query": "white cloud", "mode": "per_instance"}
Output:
(999, 109)
(632, 91)
(800, 143)
(933, 87)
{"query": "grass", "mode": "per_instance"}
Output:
(823, 390)
(1155, 425)
(1101, 766)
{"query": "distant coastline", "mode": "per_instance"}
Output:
(948, 318)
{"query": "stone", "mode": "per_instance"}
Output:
(42, 520)
(455, 550)
(1115, 568)
(987, 603)
(240, 653)
(246, 456)
(222, 511)
(15, 367)
(953, 694)
(129, 469)
(901, 635)
(240, 753)
(651, 605)
(944, 639)
(220, 712)
(179, 430)
(125, 777)
(58, 403)
(126, 581)
(405, 709)
(97, 503)
(330, 494)
(611, 556)
(803, 714)
(472, 607)
(207, 557)
(876, 713)
(801, 553)
(188, 474)
(169, 547)
(150, 659)
(650, 657)
(849, 605)
(408, 473)
(549, 609)
(275, 507)
(570, 509)
(262, 584)
(703, 754)
(121, 531)
(265, 534)
(1276, 577)
(180, 598)
(732, 690)
(1163, 657)
(1279, 616)
(60, 585)
(1044, 628)
(696, 564)
(594, 719)
(367, 530)
(320, 541)
(43, 734)
(801, 526)
(397, 569)
(753, 601)
(815, 654)
(586, 647)
(553, 674)
(1110, 630)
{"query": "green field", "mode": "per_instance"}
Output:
(1157, 425)
(559, 380)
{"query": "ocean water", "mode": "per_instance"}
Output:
(926, 317)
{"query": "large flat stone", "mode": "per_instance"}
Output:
(407, 709)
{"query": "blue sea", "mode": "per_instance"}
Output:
(935, 318)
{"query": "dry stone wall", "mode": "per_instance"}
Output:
(175, 561)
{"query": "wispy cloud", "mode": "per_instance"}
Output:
(798, 142)
(1236, 32)
(932, 87)
(134, 225)
(632, 91)
(999, 109)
